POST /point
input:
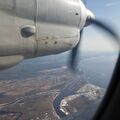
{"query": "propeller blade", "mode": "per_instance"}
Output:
(106, 28)
(84, 1)
(74, 53)
(99, 24)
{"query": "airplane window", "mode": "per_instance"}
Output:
(46, 89)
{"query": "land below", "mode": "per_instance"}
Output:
(48, 95)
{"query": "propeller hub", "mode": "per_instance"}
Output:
(90, 17)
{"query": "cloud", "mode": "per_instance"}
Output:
(111, 4)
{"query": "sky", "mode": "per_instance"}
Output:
(94, 39)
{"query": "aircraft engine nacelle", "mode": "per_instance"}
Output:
(58, 24)
(32, 28)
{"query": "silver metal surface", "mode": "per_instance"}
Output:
(57, 26)
(52, 27)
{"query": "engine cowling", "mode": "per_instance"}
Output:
(9, 61)
(32, 28)
(58, 24)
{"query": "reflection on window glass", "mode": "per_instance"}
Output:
(46, 89)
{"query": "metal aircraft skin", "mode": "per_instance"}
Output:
(33, 28)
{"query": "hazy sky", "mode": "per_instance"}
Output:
(108, 10)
